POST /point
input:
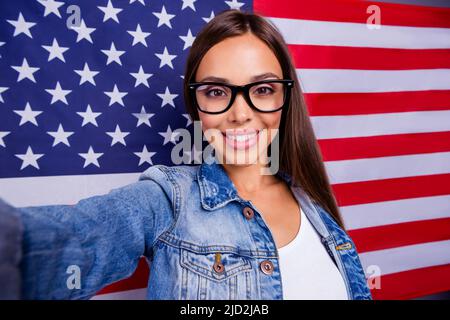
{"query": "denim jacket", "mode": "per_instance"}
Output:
(192, 227)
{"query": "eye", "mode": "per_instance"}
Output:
(215, 92)
(264, 90)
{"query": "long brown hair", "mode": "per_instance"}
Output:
(300, 154)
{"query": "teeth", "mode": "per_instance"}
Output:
(241, 137)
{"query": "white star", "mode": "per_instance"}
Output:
(116, 96)
(2, 89)
(209, 18)
(145, 156)
(51, 6)
(118, 136)
(25, 71)
(188, 118)
(58, 94)
(21, 26)
(110, 12)
(2, 135)
(188, 3)
(83, 32)
(169, 136)
(55, 51)
(164, 17)
(141, 77)
(234, 4)
(143, 117)
(89, 116)
(60, 136)
(139, 36)
(86, 74)
(28, 115)
(29, 158)
(113, 54)
(90, 157)
(188, 39)
(140, 1)
(167, 98)
(165, 58)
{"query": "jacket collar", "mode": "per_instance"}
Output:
(216, 187)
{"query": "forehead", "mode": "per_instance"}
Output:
(238, 59)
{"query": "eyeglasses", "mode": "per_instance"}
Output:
(263, 96)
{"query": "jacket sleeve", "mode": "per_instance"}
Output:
(72, 251)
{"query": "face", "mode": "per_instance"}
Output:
(241, 135)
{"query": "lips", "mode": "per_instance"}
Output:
(241, 138)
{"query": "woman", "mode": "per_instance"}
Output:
(221, 229)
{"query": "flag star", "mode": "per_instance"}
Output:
(55, 51)
(90, 157)
(22, 26)
(208, 19)
(188, 3)
(165, 58)
(113, 54)
(139, 36)
(169, 136)
(234, 4)
(25, 71)
(145, 156)
(110, 12)
(29, 158)
(2, 89)
(188, 118)
(140, 1)
(86, 74)
(51, 6)
(2, 135)
(143, 117)
(28, 115)
(89, 116)
(141, 77)
(116, 96)
(167, 98)
(58, 94)
(60, 136)
(188, 39)
(118, 136)
(164, 17)
(83, 32)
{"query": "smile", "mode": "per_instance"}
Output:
(241, 139)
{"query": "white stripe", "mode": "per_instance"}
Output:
(137, 294)
(368, 169)
(346, 80)
(350, 34)
(329, 127)
(408, 257)
(37, 191)
(396, 211)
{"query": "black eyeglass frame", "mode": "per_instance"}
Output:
(245, 89)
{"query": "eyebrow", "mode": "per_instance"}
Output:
(252, 79)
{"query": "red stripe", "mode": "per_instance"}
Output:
(384, 146)
(332, 104)
(336, 57)
(354, 11)
(413, 283)
(138, 280)
(391, 189)
(400, 234)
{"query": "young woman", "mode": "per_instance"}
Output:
(221, 229)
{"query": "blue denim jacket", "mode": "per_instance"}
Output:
(179, 218)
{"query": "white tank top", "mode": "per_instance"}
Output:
(307, 271)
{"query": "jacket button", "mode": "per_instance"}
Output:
(248, 213)
(266, 267)
(219, 268)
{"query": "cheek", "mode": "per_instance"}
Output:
(271, 120)
(210, 121)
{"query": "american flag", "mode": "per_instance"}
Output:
(91, 92)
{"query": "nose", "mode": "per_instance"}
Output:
(240, 111)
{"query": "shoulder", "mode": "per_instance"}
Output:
(170, 177)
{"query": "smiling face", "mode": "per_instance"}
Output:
(240, 135)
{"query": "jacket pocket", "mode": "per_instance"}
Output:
(215, 275)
